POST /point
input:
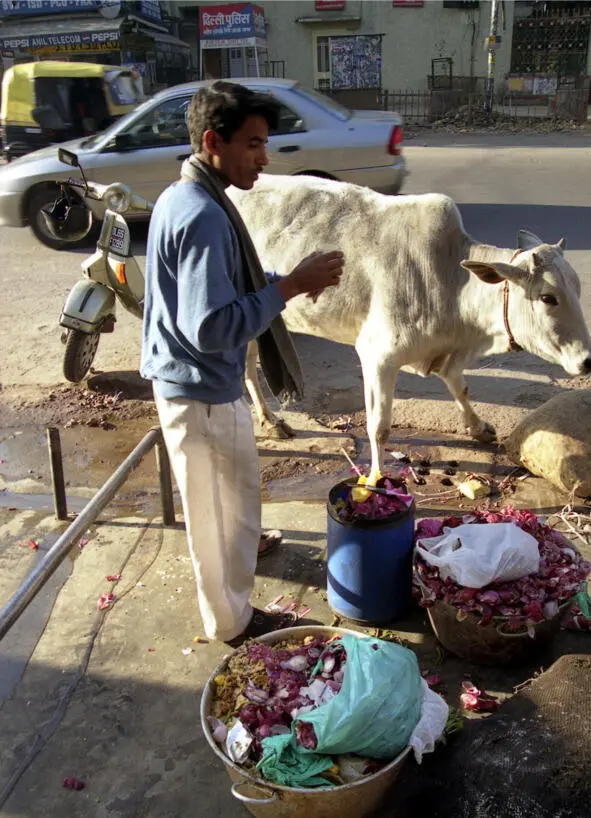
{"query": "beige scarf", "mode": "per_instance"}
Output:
(277, 353)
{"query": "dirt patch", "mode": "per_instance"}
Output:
(297, 466)
(70, 406)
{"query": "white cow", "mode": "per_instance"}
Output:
(417, 293)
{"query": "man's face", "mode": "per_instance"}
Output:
(242, 158)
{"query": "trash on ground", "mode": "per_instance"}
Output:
(71, 783)
(319, 712)
(105, 601)
(475, 700)
(82, 542)
(516, 604)
(113, 577)
(474, 489)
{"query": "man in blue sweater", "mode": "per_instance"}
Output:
(201, 310)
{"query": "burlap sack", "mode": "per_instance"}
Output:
(554, 442)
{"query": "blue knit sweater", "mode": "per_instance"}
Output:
(197, 317)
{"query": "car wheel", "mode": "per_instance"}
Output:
(44, 197)
(80, 351)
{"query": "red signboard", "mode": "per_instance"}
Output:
(330, 5)
(231, 21)
(408, 4)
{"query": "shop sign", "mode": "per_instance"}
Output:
(151, 9)
(85, 48)
(97, 40)
(13, 8)
(330, 5)
(408, 4)
(231, 21)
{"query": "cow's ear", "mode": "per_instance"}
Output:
(492, 272)
(527, 240)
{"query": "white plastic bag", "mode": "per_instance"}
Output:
(434, 715)
(474, 555)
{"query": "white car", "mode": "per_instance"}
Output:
(144, 150)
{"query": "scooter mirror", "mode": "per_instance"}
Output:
(68, 158)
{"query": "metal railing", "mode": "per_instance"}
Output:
(62, 547)
(428, 107)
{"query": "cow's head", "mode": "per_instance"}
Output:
(544, 309)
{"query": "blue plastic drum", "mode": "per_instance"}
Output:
(369, 563)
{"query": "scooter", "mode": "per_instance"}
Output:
(111, 274)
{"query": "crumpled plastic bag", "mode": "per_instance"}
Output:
(476, 555)
(378, 706)
(284, 765)
(434, 715)
(374, 714)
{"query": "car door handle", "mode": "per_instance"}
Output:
(182, 156)
(288, 148)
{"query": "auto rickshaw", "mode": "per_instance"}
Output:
(50, 101)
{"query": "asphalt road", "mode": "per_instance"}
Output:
(501, 183)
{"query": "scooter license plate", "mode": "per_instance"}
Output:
(117, 238)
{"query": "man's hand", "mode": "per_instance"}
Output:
(313, 275)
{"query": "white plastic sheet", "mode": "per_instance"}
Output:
(475, 555)
(434, 715)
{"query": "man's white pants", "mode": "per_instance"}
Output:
(214, 458)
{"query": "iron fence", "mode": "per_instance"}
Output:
(448, 105)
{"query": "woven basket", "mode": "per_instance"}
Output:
(488, 644)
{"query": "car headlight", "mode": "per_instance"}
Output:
(117, 197)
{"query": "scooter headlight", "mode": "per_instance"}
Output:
(118, 198)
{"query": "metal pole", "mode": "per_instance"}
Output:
(58, 552)
(492, 56)
(256, 59)
(54, 445)
(166, 498)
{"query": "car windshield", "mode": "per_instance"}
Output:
(325, 102)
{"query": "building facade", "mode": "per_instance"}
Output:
(357, 46)
(367, 44)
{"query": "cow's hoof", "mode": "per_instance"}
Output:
(278, 429)
(487, 434)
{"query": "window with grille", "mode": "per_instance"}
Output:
(554, 39)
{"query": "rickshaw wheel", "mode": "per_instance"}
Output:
(42, 198)
(15, 150)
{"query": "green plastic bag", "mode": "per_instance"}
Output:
(283, 764)
(374, 714)
(378, 706)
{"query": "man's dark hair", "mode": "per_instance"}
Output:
(224, 107)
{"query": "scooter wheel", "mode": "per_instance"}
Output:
(80, 351)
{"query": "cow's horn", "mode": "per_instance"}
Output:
(561, 244)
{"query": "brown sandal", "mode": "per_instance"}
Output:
(263, 622)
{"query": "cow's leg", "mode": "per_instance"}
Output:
(271, 425)
(379, 380)
(477, 428)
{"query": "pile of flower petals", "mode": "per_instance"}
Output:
(523, 602)
(377, 506)
(296, 679)
(477, 700)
